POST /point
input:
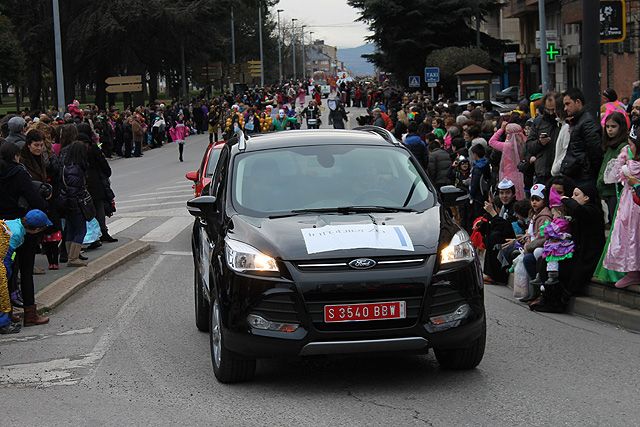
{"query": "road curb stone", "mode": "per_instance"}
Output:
(58, 291)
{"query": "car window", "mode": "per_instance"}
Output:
(327, 176)
(214, 155)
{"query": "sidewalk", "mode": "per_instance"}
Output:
(53, 287)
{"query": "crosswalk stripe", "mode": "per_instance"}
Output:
(185, 191)
(122, 224)
(181, 202)
(158, 198)
(173, 187)
(168, 230)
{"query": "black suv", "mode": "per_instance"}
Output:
(328, 242)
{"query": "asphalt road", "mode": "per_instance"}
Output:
(125, 350)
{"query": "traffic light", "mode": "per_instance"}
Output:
(255, 68)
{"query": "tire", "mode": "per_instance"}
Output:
(464, 358)
(228, 367)
(507, 100)
(201, 305)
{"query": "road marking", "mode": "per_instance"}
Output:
(189, 191)
(44, 336)
(179, 196)
(173, 187)
(177, 253)
(122, 224)
(170, 212)
(181, 202)
(68, 370)
(168, 230)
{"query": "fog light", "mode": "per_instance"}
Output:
(449, 320)
(260, 322)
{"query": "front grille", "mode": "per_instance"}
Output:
(342, 264)
(277, 308)
(442, 299)
(316, 311)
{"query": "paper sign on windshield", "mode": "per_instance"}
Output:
(337, 237)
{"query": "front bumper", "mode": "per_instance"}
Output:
(296, 300)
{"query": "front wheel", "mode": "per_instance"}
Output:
(228, 367)
(463, 358)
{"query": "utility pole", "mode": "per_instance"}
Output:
(260, 37)
(184, 72)
(58, 50)
(304, 60)
(233, 40)
(544, 66)
(279, 46)
(293, 46)
(591, 55)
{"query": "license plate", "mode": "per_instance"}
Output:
(364, 312)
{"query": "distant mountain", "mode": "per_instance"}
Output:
(353, 60)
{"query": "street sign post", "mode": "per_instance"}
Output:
(613, 21)
(432, 75)
(414, 81)
(122, 84)
(255, 68)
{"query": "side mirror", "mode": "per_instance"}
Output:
(192, 176)
(453, 196)
(202, 207)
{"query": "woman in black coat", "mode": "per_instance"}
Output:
(74, 184)
(587, 232)
(98, 173)
(19, 195)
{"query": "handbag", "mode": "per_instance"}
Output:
(84, 202)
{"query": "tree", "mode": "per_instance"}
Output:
(450, 60)
(406, 31)
(12, 58)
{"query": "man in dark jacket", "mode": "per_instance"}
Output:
(439, 164)
(584, 154)
(541, 143)
(417, 146)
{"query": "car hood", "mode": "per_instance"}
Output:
(283, 237)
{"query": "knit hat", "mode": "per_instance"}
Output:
(505, 184)
(16, 124)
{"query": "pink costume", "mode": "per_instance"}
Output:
(511, 154)
(624, 248)
(179, 133)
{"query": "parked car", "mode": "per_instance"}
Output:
(498, 106)
(509, 95)
(202, 176)
(299, 251)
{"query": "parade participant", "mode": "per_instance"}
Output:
(536, 101)
(612, 105)
(512, 151)
(302, 93)
(213, 121)
(614, 138)
(233, 116)
(624, 247)
(266, 122)
(337, 114)
(312, 115)
(282, 122)
(179, 133)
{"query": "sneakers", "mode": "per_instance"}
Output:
(631, 278)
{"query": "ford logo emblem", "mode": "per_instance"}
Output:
(362, 263)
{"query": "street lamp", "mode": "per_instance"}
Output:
(304, 60)
(279, 46)
(293, 45)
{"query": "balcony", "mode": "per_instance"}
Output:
(520, 8)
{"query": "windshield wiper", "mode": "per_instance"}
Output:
(343, 210)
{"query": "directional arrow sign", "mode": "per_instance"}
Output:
(136, 87)
(123, 80)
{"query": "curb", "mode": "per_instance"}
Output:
(58, 291)
(607, 312)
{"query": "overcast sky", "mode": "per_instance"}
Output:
(332, 20)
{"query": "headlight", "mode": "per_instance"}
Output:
(243, 258)
(460, 249)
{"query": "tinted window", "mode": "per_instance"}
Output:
(326, 176)
(214, 155)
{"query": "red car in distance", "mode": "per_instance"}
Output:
(202, 176)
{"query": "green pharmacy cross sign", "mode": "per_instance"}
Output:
(552, 52)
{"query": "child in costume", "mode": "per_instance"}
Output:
(179, 133)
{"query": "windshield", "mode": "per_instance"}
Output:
(327, 176)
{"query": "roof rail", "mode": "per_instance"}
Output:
(384, 133)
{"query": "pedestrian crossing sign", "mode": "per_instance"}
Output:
(414, 81)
